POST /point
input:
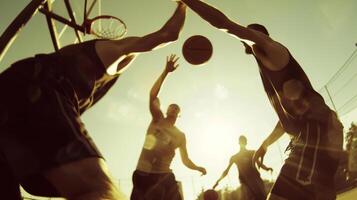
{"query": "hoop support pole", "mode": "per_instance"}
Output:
(9, 35)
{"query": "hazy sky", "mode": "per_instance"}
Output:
(220, 100)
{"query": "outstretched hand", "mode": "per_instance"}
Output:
(259, 156)
(202, 170)
(171, 63)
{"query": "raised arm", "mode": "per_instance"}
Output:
(224, 174)
(154, 92)
(167, 34)
(275, 135)
(186, 160)
(272, 54)
(219, 20)
(111, 51)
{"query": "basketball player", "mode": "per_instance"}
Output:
(153, 179)
(44, 145)
(308, 172)
(252, 185)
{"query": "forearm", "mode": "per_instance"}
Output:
(189, 164)
(274, 136)
(224, 174)
(157, 85)
(209, 13)
(176, 22)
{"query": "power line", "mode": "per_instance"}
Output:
(343, 67)
(349, 101)
(341, 88)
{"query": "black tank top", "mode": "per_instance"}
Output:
(247, 172)
(273, 82)
(82, 67)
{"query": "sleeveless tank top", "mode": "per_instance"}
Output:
(246, 170)
(82, 67)
(273, 82)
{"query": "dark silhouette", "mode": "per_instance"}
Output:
(252, 185)
(44, 145)
(153, 178)
(315, 129)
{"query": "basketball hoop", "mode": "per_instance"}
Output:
(105, 27)
(102, 26)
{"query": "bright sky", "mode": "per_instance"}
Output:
(220, 100)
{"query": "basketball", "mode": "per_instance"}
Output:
(197, 50)
(210, 195)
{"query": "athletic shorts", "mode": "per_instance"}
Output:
(308, 172)
(253, 190)
(40, 124)
(150, 186)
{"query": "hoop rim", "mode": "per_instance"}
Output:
(88, 25)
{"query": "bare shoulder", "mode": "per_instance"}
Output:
(179, 132)
(280, 55)
(272, 54)
(234, 157)
(180, 135)
(154, 124)
(155, 110)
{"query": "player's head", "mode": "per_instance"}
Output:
(242, 141)
(173, 110)
(257, 27)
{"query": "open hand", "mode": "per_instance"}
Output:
(171, 63)
(202, 170)
(259, 156)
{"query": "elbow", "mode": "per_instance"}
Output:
(186, 163)
(152, 96)
(169, 36)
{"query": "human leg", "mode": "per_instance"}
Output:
(84, 179)
(286, 188)
(9, 186)
(139, 186)
(148, 186)
(254, 190)
(172, 188)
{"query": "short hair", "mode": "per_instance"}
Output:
(259, 27)
(176, 106)
(242, 138)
